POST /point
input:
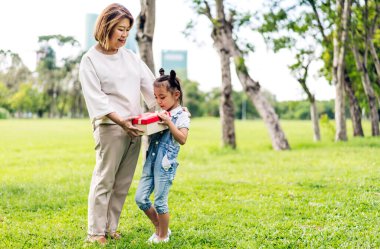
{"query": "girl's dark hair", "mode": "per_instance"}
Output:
(171, 81)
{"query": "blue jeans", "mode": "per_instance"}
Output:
(159, 171)
(157, 176)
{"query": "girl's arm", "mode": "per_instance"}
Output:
(180, 135)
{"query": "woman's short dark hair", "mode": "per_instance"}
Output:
(107, 20)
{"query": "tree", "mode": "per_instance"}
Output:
(54, 75)
(343, 8)
(193, 98)
(355, 109)
(27, 99)
(314, 23)
(212, 98)
(145, 31)
(219, 34)
(371, 13)
(282, 29)
(326, 41)
(13, 71)
(362, 35)
(144, 36)
(4, 95)
(300, 70)
(224, 35)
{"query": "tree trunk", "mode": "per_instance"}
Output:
(266, 111)
(375, 57)
(315, 120)
(219, 35)
(226, 105)
(368, 89)
(311, 98)
(355, 110)
(338, 66)
(224, 41)
(145, 31)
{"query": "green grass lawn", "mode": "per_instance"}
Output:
(318, 195)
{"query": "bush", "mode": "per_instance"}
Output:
(328, 129)
(4, 113)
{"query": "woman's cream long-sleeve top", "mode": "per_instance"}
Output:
(114, 83)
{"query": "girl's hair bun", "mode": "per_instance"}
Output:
(172, 75)
(161, 71)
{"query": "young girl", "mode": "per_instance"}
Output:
(161, 161)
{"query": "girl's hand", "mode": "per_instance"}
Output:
(165, 119)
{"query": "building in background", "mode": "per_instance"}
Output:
(90, 40)
(176, 60)
(90, 23)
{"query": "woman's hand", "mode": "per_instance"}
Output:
(131, 130)
(126, 124)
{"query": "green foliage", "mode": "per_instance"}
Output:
(4, 113)
(240, 65)
(318, 195)
(47, 61)
(26, 99)
(301, 109)
(283, 42)
(58, 79)
(193, 98)
(12, 70)
(272, 21)
(4, 95)
(243, 106)
(212, 100)
(60, 39)
(327, 128)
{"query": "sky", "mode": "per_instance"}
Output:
(22, 21)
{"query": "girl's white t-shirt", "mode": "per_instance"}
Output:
(115, 83)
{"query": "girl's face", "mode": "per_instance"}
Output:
(166, 99)
(119, 34)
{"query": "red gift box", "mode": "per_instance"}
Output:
(149, 123)
(146, 118)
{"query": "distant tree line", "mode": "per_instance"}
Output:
(207, 104)
(343, 35)
(53, 91)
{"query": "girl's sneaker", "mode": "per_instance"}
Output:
(154, 235)
(156, 240)
(151, 238)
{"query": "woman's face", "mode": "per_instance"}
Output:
(119, 34)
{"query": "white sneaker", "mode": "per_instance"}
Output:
(154, 235)
(156, 240)
(151, 238)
